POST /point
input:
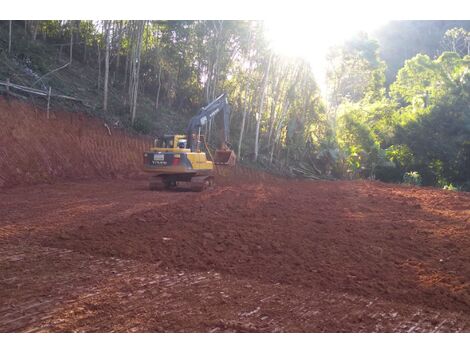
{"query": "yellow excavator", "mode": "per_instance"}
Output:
(177, 160)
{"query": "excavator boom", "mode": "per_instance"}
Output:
(223, 155)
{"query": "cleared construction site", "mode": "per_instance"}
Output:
(85, 246)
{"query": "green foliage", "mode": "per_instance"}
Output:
(412, 178)
(439, 141)
(361, 130)
(423, 82)
(358, 141)
(401, 40)
(400, 155)
(451, 187)
(423, 127)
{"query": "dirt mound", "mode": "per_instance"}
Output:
(69, 146)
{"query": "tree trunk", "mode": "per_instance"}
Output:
(159, 86)
(261, 106)
(126, 69)
(274, 106)
(35, 29)
(9, 37)
(216, 67)
(99, 65)
(208, 81)
(245, 113)
(106, 67)
(119, 35)
(285, 107)
(135, 64)
(131, 41)
(272, 118)
(71, 42)
(118, 52)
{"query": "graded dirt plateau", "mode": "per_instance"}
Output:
(254, 253)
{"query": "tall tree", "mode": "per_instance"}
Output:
(246, 94)
(106, 64)
(457, 40)
(261, 105)
(71, 42)
(135, 67)
(9, 37)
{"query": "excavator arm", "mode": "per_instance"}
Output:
(205, 116)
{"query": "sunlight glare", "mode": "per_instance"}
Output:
(311, 39)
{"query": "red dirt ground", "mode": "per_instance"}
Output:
(248, 255)
(254, 253)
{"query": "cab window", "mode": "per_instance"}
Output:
(167, 142)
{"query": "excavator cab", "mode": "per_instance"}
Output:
(170, 141)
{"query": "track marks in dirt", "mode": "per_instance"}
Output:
(318, 235)
(264, 255)
(112, 294)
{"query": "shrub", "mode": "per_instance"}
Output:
(451, 187)
(412, 178)
(387, 173)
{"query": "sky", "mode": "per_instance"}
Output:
(310, 39)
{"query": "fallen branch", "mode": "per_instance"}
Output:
(55, 70)
(107, 127)
(39, 92)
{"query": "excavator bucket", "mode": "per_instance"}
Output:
(225, 157)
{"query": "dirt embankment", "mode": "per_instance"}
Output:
(34, 149)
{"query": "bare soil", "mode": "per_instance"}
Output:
(252, 254)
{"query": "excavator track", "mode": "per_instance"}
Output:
(197, 183)
(157, 183)
(200, 183)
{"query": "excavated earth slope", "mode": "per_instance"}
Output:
(67, 146)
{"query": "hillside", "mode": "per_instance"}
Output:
(68, 146)
(82, 79)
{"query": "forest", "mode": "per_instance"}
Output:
(396, 106)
